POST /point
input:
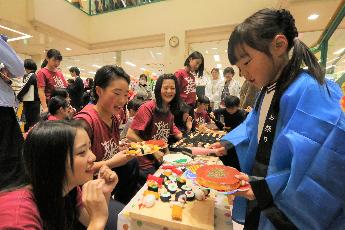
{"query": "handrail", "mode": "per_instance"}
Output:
(322, 43)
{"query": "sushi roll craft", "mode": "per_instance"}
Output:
(172, 188)
(190, 195)
(186, 188)
(180, 181)
(153, 187)
(165, 196)
(181, 197)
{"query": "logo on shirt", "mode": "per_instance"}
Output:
(58, 82)
(110, 148)
(200, 120)
(190, 88)
(162, 132)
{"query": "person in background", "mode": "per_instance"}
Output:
(231, 87)
(76, 89)
(154, 121)
(58, 160)
(214, 88)
(232, 114)
(193, 65)
(50, 77)
(248, 95)
(28, 94)
(132, 107)
(87, 95)
(110, 90)
(200, 113)
(143, 91)
(63, 93)
(11, 138)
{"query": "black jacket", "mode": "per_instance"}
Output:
(76, 91)
(29, 80)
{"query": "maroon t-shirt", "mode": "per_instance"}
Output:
(186, 81)
(104, 139)
(50, 80)
(201, 117)
(18, 209)
(153, 126)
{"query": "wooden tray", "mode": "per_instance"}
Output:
(197, 215)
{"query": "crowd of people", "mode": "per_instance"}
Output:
(72, 170)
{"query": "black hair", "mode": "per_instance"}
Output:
(258, 30)
(105, 75)
(196, 55)
(134, 104)
(44, 63)
(74, 70)
(178, 115)
(174, 104)
(55, 103)
(47, 148)
(203, 99)
(228, 70)
(143, 75)
(30, 65)
(60, 92)
(231, 101)
(53, 53)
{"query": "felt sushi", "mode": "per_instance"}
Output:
(167, 172)
(153, 187)
(172, 178)
(172, 188)
(165, 196)
(176, 212)
(186, 188)
(190, 195)
(180, 181)
(167, 182)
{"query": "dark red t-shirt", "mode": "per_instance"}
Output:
(153, 126)
(186, 81)
(18, 209)
(50, 80)
(201, 117)
(104, 139)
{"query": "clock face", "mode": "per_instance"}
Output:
(173, 41)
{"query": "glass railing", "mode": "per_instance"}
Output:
(95, 7)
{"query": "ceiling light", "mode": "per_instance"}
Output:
(24, 36)
(130, 63)
(219, 66)
(68, 49)
(159, 53)
(92, 72)
(114, 57)
(214, 48)
(339, 51)
(97, 66)
(143, 69)
(313, 16)
(216, 57)
(225, 51)
(206, 51)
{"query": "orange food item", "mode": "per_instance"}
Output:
(218, 177)
(176, 212)
(160, 143)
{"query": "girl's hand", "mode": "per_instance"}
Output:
(218, 148)
(110, 179)
(159, 156)
(189, 123)
(248, 194)
(248, 109)
(95, 203)
(212, 115)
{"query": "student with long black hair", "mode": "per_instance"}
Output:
(291, 147)
(193, 66)
(110, 92)
(154, 121)
(57, 160)
(58, 109)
